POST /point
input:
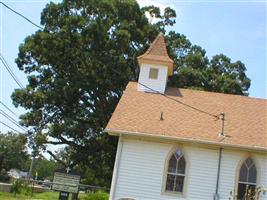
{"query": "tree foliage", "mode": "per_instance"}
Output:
(44, 168)
(13, 151)
(193, 69)
(80, 63)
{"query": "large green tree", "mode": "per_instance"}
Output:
(80, 63)
(13, 151)
(193, 69)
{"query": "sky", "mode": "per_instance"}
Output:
(235, 28)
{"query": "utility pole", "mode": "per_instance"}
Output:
(31, 166)
(34, 152)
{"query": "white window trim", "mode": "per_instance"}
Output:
(240, 163)
(165, 192)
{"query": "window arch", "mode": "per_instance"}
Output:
(176, 172)
(247, 180)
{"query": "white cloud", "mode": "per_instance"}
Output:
(162, 5)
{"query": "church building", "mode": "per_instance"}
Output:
(186, 144)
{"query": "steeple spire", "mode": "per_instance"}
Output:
(155, 66)
(157, 54)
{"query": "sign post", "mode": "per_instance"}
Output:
(63, 196)
(66, 182)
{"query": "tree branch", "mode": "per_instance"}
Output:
(65, 141)
(55, 158)
(54, 143)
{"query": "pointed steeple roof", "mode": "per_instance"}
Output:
(157, 53)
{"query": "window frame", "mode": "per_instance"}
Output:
(153, 68)
(165, 173)
(240, 164)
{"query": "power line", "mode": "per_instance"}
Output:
(9, 127)
(8, 109)
(9, 117)
(168, 97)
(21, 15)
(175, 100)
(10, 71)
(8, 68)
(12, 120)
(180, 102)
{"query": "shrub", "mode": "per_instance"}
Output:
(99, 195)
(20, 187)
(16, 185)
(25, 189)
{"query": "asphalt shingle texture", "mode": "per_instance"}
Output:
(245, 117)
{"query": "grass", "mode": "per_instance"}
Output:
(37, 196)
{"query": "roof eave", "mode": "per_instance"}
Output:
(169, 63)
(198, 141)
(145, 59)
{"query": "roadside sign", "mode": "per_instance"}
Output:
(66, 182)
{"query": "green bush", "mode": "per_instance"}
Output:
(25, 189)
(20, 187)
(16, 186)
(100, 195)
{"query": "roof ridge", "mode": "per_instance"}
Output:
(220, 93)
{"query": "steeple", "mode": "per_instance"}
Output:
(155, 66)
(157, 53)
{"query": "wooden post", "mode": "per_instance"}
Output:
(63, 196)
(74, 196)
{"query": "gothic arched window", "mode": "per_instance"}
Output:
(247, 180)
(176, 172)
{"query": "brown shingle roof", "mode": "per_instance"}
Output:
(157, 52)
(139, 112)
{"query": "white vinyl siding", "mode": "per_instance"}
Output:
(202, 172)
(229, 165)
(139, 174)
(158, 84)
(141, 171)
(261, 162)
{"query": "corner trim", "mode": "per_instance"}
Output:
(116, 169)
